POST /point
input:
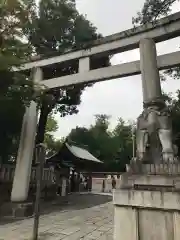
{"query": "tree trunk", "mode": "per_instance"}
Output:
(45, 110)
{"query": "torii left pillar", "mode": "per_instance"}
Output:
(22, 174)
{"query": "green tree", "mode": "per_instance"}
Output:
(102, 135)
(57, 27)
(52, 145)
(152, 10)
(174, 106)
(52, 125)
(83, 137)
(114, 147)
(122, 136)
(15, 90)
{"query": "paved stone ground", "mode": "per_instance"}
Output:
(74, 223)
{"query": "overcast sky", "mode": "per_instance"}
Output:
(118, 97)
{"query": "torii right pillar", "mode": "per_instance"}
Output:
(147, 205)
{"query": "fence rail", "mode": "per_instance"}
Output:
(7, 174)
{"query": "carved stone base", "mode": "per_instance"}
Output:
(136, 167)
(22, 209)
(147, 205)
(17, 210)
(150, 182)
(146, 215)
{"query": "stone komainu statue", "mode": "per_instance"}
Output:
(154, 134)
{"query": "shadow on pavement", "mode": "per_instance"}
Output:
(76, 202)
(71, 202)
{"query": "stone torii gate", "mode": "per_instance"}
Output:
(143, 37)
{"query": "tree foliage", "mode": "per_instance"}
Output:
(152, 10)
(174, 105)
(52, 145)
(13, 17)
(15, 90)
(113, 147)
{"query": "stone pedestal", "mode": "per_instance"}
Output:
(147, 206)
(20, 210)
(17, 210)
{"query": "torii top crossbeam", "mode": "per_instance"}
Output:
(164, 29)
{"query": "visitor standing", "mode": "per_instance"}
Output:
(103, 185)
(113, 182)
